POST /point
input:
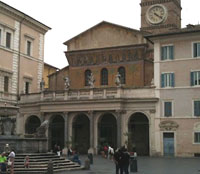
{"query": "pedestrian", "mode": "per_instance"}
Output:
(105, 149)
(11, 157)
(58, 151)
(110, 152)
(76, 158)
(125, 160)
(26, 162)
(120, 162)
(3, 165)
(69, 152)
(116, 158)
(55, 149)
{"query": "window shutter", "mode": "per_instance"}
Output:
(172, 80)
(162, 80)
(192, 78)
(171, 52)
(198, 49)
(162, 53)
(195, 50)
(168, 109)
(196, 108)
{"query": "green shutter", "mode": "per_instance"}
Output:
(192, 78)
(196, 108)
(171, 52)
(162, 53)
(168, 109)
(195, 50)
(162, 80)
(172, 80)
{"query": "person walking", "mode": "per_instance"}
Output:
(116, 158)
(3, 165)
(11, 157)
(120, 161)
(125, 160)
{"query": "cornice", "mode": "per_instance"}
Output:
(143, 4)
(22, 17)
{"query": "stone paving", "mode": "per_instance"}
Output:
(146, 165)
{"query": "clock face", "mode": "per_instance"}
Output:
(156, 14)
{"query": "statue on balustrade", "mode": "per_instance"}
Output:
(67, 82)
(118, 79)
(42, 84)
(91, 80)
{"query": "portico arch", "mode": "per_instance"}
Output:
(57, 131)
(138, 133)
(32, 123)
(81, 133)
(107, 130)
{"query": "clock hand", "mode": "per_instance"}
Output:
(158, 15)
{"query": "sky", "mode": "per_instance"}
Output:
(68, 18)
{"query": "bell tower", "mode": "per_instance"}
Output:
(158, 16)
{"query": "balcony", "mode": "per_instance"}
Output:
(89, 94)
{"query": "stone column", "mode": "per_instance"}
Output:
(124, 127)
(66, 127)
(91, 114)
(119, 130)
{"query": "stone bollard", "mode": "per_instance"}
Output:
(90, 157)
(87, 164)
(133, 164)
(50, 167)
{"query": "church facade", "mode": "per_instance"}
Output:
(120, 88)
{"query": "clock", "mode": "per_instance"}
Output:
(156, 14)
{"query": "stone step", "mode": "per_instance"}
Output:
(39, 163)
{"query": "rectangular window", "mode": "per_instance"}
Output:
(195, 78)
(28, 47)
(27, 86)
(6, 83)
(168, 109)
(197, 137)
(167, 52)
(167, 80)
(196, 49)
(8, 40)
(197, 108)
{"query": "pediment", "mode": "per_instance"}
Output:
(103, 35)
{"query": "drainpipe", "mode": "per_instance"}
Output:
(19, 58)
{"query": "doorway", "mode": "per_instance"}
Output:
(168, 144)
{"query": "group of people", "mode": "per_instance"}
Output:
(7, 160)
(108, 151)
(121, 159)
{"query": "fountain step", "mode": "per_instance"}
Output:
(39, 163)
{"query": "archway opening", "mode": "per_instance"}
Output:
(107, 131)
(57, 131)
(138, 131)
(32, 123)
(81, 134)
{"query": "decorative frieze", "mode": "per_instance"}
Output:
(168, 126)
(106, 56)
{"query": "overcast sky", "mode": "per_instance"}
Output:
(68, 18)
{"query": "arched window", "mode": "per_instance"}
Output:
(104, 76)
(122, 72)
(87, 75)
